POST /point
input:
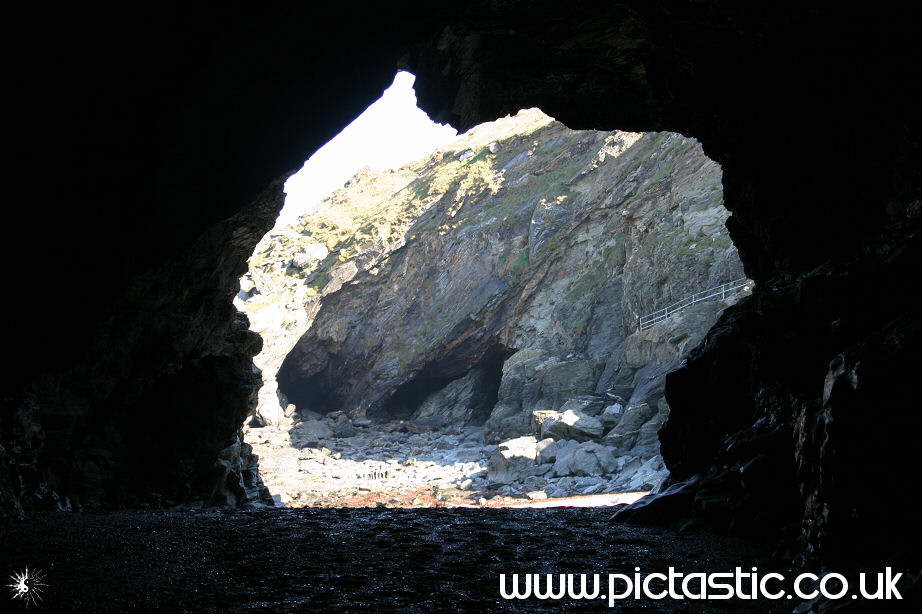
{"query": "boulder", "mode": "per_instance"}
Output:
(424, 425)
(586, 459)
(611, 415)
(511, 460)
(505, 422)
(625, 433)
(344, 428)
(307, 414)
(539, 416)
(311, 432)
(649, 476)
(548, 453)
(340, 424)
(309, 255)
(572, 424)
(565, 380)
(543, 445)
(647, 443)
(534, 380)
(585, 404)
(246, 284)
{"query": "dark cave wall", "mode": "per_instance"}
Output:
(150, 158)
(134, 137)
(811, 115)
(174, 122)
(162, 392)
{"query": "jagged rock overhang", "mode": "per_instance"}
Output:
(785, 114)
(757, 85)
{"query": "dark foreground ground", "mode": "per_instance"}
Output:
(410, 560)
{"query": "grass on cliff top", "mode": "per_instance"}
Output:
(464, 180)
(379, 205)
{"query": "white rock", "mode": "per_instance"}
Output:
(511, 459)
(572, 425)
(548, 454)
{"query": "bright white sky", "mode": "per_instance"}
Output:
(388, 134)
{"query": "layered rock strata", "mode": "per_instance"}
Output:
(499, 283)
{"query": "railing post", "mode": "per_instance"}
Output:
(644, 322)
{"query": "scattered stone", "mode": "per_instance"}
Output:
(424, 425)
(379, 466)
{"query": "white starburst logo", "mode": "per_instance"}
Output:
(28, 586)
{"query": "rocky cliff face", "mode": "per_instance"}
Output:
(500, 281)
(293, 268)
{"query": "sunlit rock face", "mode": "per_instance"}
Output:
(524, 253)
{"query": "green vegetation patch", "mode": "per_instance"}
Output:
(693, 246)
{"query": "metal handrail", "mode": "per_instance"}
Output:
(722, 291)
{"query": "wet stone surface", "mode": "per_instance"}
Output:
(375, 560)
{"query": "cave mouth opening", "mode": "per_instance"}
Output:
(311, 395)
(382, 362)
(276, 294)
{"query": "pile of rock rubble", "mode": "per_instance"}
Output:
(332, 460)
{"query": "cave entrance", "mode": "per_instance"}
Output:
(439, 397)
(290, 267)
(490, 323)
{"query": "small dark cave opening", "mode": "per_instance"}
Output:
(315, 392)
(492, 365)
(408, 397)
